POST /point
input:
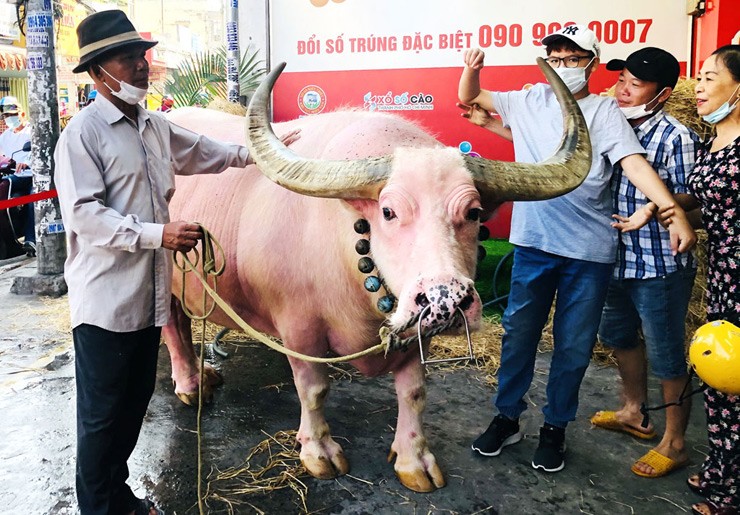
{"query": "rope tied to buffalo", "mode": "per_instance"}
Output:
(212, 254)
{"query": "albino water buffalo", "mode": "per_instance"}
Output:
(287, 227)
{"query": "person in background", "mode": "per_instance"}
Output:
(12, 141)
(91, 97)
(564, 245)
(650, 288)
(167, 104)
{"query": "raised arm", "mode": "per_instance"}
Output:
(469, 91)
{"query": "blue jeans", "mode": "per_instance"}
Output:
(581, 289)
(657, 305)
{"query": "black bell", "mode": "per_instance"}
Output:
(481, 253)
(483, 233)
(362, 226)
(366, 265)
(362, 247)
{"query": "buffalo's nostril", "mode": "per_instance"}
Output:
(422, 300)
(466, 302)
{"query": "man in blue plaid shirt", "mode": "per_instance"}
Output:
(650, 288)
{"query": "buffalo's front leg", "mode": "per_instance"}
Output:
(415, 466)
(320, 454)
(185, 363)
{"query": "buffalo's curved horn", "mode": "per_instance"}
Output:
(351, 179)
(497, 181)
(500, 181)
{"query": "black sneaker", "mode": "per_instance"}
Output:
(501, 432)
(29, 248)
(550, 453)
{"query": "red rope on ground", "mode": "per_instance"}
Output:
(19, 201)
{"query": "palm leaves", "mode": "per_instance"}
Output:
(202, 77)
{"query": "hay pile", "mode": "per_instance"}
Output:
(64, 120)
(697, 315)
(272, 465)
(682, 106)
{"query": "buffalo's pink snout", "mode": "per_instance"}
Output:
(440, 302)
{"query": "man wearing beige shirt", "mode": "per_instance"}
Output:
(115, 167)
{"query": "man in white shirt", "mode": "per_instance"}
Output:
(115, 167)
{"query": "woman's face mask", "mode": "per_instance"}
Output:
(128, 93)
(722, 111)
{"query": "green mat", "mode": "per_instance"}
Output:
(496, 250)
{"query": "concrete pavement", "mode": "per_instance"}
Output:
(37, 436)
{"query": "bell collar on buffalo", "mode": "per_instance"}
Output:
(366, 265)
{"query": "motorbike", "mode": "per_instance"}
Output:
(13, 219)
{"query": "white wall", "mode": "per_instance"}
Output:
(253, 27)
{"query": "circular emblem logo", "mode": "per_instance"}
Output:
(312, 100)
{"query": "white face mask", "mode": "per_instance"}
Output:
(13, 121)
(128, 93)
(721, 112)
(574, 78)
(641, 111)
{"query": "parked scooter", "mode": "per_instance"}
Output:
(13, 219)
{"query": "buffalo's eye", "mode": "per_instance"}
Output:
(473, 214)
(388, 214)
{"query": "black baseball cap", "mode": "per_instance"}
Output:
(650, 64)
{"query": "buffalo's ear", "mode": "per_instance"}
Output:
(366, 208)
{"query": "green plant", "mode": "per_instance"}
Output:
(201, 77)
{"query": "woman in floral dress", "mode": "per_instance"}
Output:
(715, 182)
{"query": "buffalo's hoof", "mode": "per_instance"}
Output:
(211, 379)
(212, 376)
(420, 480)
(191, 398)
(322, 468)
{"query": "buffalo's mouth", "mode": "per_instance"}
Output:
(426, 324)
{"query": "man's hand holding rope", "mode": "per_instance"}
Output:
(181, 236)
